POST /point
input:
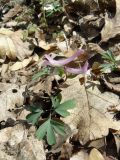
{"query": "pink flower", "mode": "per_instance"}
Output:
(59, 63)
(62, 62)
(80, 70)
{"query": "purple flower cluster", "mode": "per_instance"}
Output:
(60, 63)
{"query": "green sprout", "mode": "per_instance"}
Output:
(51, 125)
(110, 61)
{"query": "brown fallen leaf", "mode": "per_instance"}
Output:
(20, 65)
(17, 139)
(12, 46)
(4, 69)
(112, 26)
(10, 96)
(94, 48)
(90, 115)
(42, 42)
(66, 151)
(112, 87)
(5, 50)
(117, 140)
(110, 158)
(31, 149)
(91, 26)
(98, 144)
(24, 63)
(81, 7)
(39, 87)
(23, 49)
(95, 155)
(12, 12)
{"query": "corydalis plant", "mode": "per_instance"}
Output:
(51, 125)
(50, 61)
(110, 62)
(52, 8)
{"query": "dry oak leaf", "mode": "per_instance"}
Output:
(112, 26)
(90, 115)
(12, 46)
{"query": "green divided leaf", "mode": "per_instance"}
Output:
(42, 73)
(108, 56)
(33, 117)
(111, 63)
(56, 100)
(62, 108)
(59, 71)
(51, 127)
(54, 8)
(35, 108)
(111, 56)
(50, 134)
(106, 66)
(62, 112)
(70, 104)
(48, 129)
(42, 130)
(58, 127)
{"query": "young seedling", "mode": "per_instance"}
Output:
(51, 125)
(110, 61)
(47, 121)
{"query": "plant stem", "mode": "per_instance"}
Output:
(44, 15)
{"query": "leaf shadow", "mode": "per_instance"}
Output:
(93, 85)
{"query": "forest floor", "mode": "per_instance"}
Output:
(60, 79)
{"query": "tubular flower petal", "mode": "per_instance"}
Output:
(80, 70)
(62, 62)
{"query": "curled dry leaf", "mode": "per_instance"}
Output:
(42, 42)
(112, 87)
(98, 144)
(24, 63)
(112, 26)
(90, 116)
(20, 65)
(12, 46)
(12, 12)
(91, 26)
(94, 48)
(110, 158)
(81, 7)
(4, 69)
(66, 151)
(117, 140)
